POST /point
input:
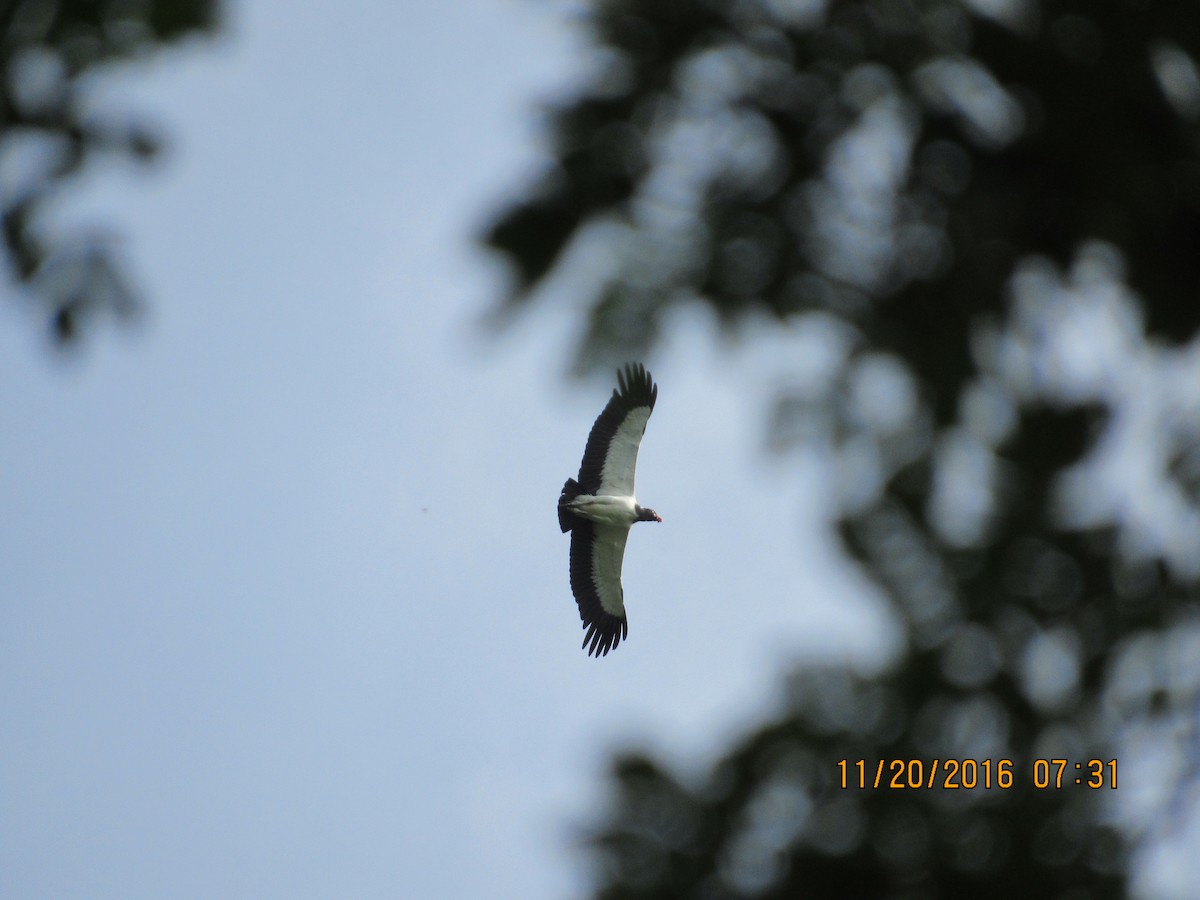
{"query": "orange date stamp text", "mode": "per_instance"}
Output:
(970, 774)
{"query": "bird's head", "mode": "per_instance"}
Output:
(647, 515)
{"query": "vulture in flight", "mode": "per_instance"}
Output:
(599, 507)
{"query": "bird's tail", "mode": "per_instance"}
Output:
(566, 518)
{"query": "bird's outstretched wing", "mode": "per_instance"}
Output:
(596, 555)
(610, 457)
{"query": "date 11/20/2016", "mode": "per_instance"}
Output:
(968, 774)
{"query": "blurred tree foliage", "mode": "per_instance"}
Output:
(992, 210)
(49, 50)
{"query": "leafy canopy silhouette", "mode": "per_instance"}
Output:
(49, 135)
(992, 212)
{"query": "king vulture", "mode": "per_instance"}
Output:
(599, 507)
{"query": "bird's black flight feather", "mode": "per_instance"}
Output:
(635, 388)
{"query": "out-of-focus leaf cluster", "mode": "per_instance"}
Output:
(49, 134)
(997, 206)
(716, 136)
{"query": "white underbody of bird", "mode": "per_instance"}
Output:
(599, 508)
(605, 509)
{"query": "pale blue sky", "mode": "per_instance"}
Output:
(285, 609)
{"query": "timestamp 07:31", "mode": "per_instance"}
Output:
(969, 774)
